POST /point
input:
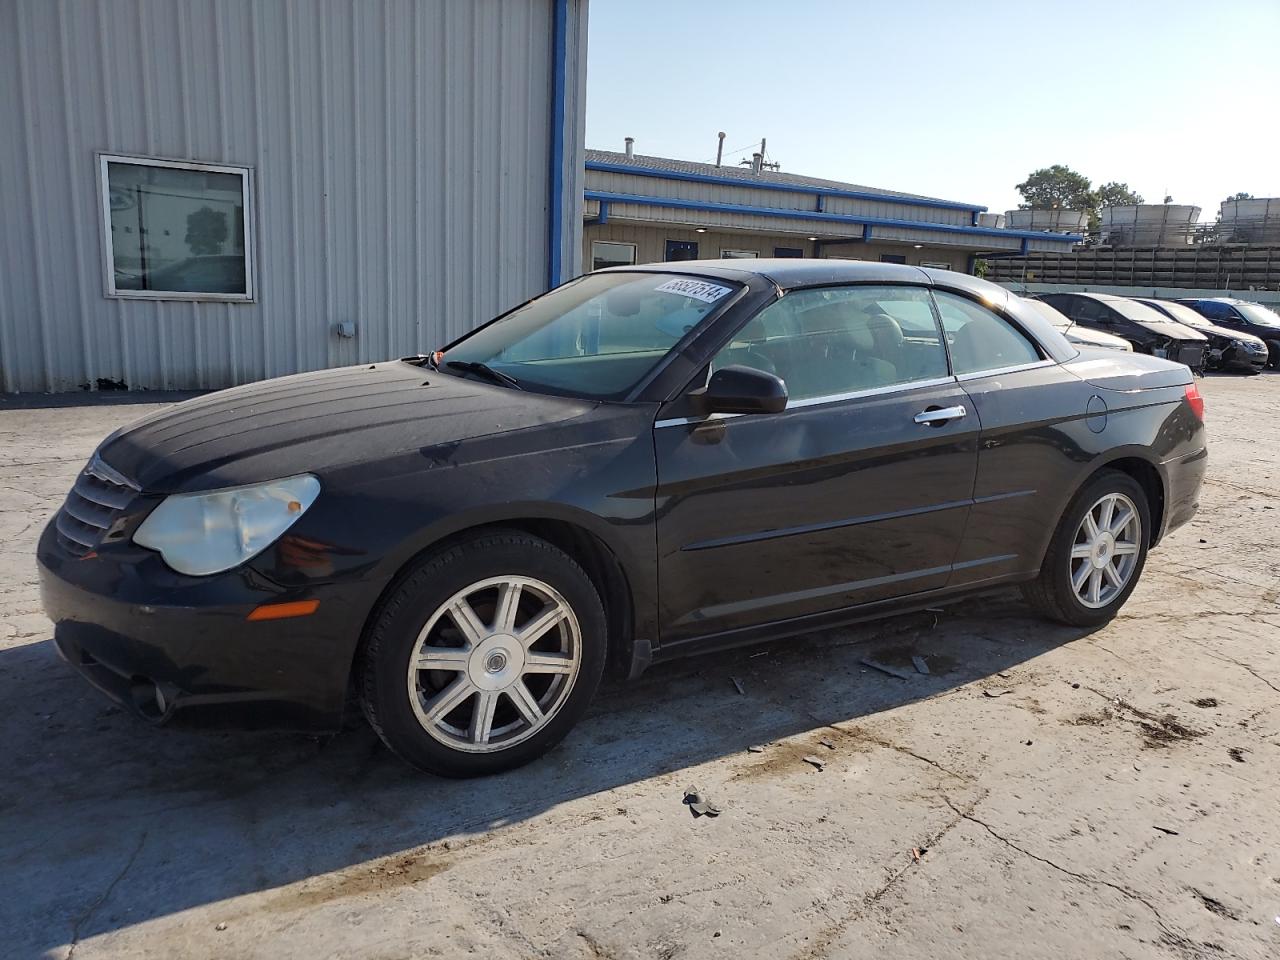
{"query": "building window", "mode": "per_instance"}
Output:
(678, 250)
(175, 230)
(739, 254)
(788, 252)
(935, 264)
(892, 258)
(607, 253)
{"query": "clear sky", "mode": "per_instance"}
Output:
(959, 100)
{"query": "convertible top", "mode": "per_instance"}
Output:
(790, 273)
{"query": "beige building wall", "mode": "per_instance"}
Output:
(650, 243)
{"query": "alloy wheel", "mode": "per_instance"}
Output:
(1105, 552)
(494, 663)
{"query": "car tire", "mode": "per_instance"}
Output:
(1075, 587)
(1273, 354)
(468, 612)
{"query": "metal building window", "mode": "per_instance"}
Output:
(610, 253)
(680, 250)
(176, 230)
(727, 254)
(935, 264)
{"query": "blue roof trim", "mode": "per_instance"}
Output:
(635, 170)
(713, 207)
(555, 189)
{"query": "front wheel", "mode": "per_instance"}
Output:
(1097, 553)
(1273, 354)
(484, 656)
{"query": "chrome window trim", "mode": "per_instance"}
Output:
(817, 401)
(995, 371)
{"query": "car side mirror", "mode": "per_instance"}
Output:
(738, 389)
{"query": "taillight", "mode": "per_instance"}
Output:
(1196, 401)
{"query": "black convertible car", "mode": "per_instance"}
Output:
(643, 463)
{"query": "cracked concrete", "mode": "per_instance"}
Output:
(1117, 801)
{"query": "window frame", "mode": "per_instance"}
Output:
(246, 174)
(616, 243)
(738, 253)
(1045, 359)
(948, 377)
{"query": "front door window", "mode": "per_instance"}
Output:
(840, 340)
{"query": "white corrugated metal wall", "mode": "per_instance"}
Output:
(400, 151)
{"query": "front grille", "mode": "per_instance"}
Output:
(93, 505)
(1192, 356)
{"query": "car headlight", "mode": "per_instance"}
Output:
(204, 533)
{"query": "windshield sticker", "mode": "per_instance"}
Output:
(696, 289)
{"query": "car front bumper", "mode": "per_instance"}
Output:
(179, 647)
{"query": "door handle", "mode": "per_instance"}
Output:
(936, 416)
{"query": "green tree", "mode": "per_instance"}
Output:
(1239, 196)
(1056, 187)
(206, 231)
(1115, 194)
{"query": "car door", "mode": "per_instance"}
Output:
(856, 492)
(1028, 406)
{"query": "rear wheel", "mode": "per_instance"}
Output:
(485, 656)
(1273, 354)
(1097, 553)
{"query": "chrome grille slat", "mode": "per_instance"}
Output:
(100, 492)
(73, 530)
(89, 513)
(96, 499)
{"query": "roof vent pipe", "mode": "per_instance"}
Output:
(720, 148)
(631, 147)
(757, 161)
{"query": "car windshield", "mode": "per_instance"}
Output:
(1138, 312)
(1184, 314)
(1051, 313)
(1257, 313)
(595, 337)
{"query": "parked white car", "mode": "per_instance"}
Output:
(1080, 336)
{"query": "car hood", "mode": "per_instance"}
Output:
(1213, 330)
(1171, 329)
(1085, 336)
(314, 422)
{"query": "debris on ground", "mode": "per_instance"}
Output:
(1172, 833)
(891, 671)
(221, 926)
(917, 853)
(815, 761)
(994, 692)
(1236, 754)
(1204, 703)
(700, 805)
(738, 686)
(921, 665)
(826, 743)
(755, 748)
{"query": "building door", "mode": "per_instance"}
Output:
(681, 250)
